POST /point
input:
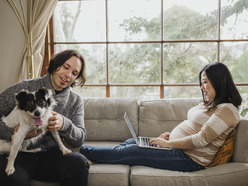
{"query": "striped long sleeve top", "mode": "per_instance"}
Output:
(205, 131)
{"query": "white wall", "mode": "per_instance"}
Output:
(11, 46)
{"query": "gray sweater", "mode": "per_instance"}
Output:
(69, 105)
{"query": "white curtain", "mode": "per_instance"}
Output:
(43, 14)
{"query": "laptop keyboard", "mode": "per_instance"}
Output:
(144, 141)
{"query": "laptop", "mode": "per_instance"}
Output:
(141, 141)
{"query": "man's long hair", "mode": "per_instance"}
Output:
(59, 59)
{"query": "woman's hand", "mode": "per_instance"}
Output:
(165, 135)
(55, 122)
(159, 142)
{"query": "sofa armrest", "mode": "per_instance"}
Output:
(240, 153)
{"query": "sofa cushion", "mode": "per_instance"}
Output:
(106, 175)
(215, 176)
(104, 118)
(102, 143)
(158, 116)
(100, 174)
(240, 153)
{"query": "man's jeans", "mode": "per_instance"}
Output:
(71, 169)
(130, 154)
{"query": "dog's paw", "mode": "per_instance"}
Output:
(32, 150)
(10, 170)
(36, 150)
(66, 151)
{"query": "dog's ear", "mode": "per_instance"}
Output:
(21, 95)
(47, 93)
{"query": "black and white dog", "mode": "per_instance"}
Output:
(32, 112)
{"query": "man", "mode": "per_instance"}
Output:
(65, 70)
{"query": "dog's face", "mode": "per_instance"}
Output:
(35, 103)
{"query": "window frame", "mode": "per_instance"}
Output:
(50, 44)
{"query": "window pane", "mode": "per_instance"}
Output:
(235, 56)
(182, 92)
(234, 19)
(94, 56)
(243, 90)
(76, 21)
(140, 93)
(183, 61)
(191, 19)
(86, 91)
(134, 20)
(134, 63)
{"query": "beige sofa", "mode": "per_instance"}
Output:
(105, 126)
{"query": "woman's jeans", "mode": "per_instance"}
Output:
(130, 154)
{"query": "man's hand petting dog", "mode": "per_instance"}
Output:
(31, 134)
(55, 122)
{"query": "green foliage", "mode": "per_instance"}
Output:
(141, 63)
(239, 70)
(244, 112)
(182, 62)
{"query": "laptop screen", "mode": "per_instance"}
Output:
(130, 126)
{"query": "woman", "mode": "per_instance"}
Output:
(195, 141)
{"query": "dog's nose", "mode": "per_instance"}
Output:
(37, 113)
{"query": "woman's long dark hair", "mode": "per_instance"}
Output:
(59, 59)
(221, 79)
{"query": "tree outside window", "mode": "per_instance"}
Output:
(151, 49)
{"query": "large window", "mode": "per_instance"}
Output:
(151, 49)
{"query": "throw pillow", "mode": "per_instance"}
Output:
(225, 152)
